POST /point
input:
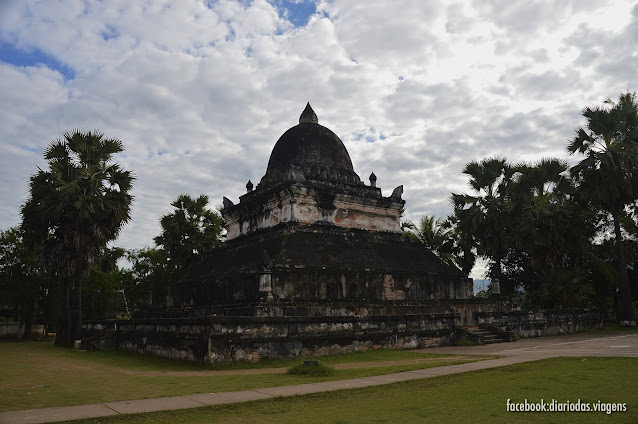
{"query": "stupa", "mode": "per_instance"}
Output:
(312, 233)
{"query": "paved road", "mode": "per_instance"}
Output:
(625, 345)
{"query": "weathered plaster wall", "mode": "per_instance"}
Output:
(308, 205)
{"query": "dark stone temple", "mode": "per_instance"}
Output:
(315, 263)
(312, 231)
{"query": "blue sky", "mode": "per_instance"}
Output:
(200, 91)
(21, 57)
(298, 13)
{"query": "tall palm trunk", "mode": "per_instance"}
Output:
(63, 335)
(625, 310)
(497, 288)
(76, 307)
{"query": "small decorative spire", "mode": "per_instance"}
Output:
(373, 180)
(249, 186)
(308, 115)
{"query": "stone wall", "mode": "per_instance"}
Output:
(465, 309)
(222, 339)
(11, 330)
(536, 323)
(16, 330)
(212, 339)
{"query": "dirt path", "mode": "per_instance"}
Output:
(282, 370)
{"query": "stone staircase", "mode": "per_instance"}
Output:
(487, 336)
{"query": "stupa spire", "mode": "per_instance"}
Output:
(308, 115)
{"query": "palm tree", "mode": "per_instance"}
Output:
(436, 235)
(608, 175)
(482, 218)
(75, 208)
(549, 233)
(546, 222)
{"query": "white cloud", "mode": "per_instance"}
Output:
(200, 91)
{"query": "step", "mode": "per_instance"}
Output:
(488, 336)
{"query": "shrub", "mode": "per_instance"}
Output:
(311, 368)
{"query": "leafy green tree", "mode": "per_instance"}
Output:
(76, 206)
(150, 272)
(547, 222)
(100, 287)
(482, 219)
(462, 249)
(191, 232)
(566, 288)
(550, 233)
(24, 288)
(608, 175)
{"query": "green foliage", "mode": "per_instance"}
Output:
(75, 208)
(24, 287)
(312, 369)
(440, 237)
(191, 232)
(546, 222)
(607, 176)
(466, 342)
(152, 271)
(100, 296)
(549, 231)
(563, 288)
(482, 219)
(540, 224)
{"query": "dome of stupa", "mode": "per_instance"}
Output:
(309, 151)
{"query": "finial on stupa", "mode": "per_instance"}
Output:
(249, 186)
(373, 180)
(308, 115)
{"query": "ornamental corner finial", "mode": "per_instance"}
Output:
(308, 115)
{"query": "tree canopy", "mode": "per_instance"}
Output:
(76, 206)
(191, 232)
(607, 176)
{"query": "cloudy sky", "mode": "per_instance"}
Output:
(200, 91)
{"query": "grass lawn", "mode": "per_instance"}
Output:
(37, 375)
(475, 397)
